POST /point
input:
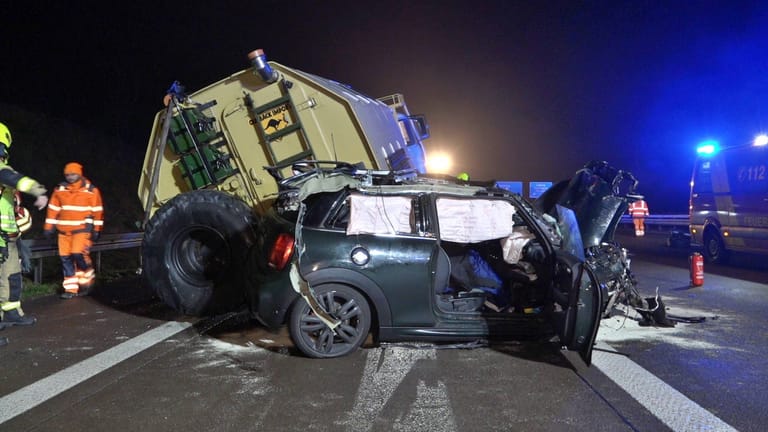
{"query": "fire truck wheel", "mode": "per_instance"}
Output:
(194, 252)
(714, 248)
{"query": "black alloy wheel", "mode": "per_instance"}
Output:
(315, 339)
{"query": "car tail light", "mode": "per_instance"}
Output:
(281, 251)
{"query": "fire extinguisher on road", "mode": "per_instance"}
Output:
(696, 261)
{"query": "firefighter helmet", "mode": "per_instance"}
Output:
(463, 176)
(5, 135)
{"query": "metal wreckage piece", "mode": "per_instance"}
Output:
(598, 196)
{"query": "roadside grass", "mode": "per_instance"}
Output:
(32, 289)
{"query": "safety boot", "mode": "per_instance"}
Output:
(13, 317)
(66, 295)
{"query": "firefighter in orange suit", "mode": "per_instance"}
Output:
(75, 210)
(639, 211)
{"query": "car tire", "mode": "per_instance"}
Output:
(313, 337)
(195, 251)
(714, 247)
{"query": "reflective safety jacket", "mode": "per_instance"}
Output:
(14, 219)
(11, 178)
(7, 217)
(75, 208)
(8, 212)
(638, 209)
(10, 181)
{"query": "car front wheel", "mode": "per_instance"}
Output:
(315, 339)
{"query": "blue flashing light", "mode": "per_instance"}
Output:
(708, 148)
(760, 140)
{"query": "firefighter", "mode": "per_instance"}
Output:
(76, 212)
(639, 211)
(10, 269)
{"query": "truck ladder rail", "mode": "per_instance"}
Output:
(158, 149)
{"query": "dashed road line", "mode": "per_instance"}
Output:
(35, 394)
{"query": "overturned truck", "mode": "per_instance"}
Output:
(207, 198)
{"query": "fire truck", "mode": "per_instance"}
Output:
(729, 200)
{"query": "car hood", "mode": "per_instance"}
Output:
(598, 196)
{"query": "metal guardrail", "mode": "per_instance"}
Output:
(662, 224)
(42, 248)
(662, 220)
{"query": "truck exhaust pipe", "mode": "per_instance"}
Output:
(261, 67)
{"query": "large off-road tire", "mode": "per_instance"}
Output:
(195, 252)
(714, 247)
(314, 339)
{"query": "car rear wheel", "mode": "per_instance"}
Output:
(714, 248)
(315, 339)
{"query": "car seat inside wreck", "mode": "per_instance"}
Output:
(494, 261)
(480, 280)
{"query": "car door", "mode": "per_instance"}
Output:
(378, 239)
(578, 300)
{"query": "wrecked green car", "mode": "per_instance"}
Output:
(413, 258)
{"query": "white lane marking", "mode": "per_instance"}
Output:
(385, 369)
(34, 394)
(667, 404)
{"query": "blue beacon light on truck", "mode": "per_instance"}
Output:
(708, 148)
(760, 140)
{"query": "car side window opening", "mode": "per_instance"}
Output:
(319, 208)
(382, 215)
(493, 257)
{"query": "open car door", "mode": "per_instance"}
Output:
(577, 323)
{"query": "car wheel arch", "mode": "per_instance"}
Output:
(380, 309)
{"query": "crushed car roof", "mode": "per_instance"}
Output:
(340, 176)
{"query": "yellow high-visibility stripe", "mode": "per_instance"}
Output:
(11, 305)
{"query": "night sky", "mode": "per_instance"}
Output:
(514, 90)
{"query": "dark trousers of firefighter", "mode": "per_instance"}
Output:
(76, 264)
(11, 281)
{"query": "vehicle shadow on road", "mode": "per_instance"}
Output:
(131, 296)
(549, 352)
(240, 329)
